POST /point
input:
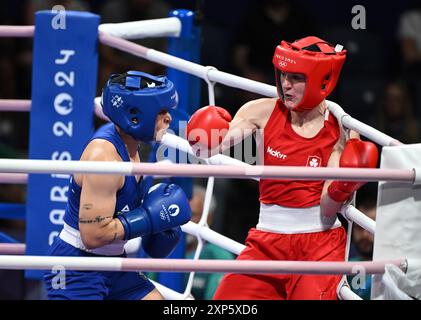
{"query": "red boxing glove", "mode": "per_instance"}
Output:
(356, 154)
(208, 126)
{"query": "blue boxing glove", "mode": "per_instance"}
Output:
(164, 207)
(161, 244)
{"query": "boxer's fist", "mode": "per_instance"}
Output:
(167, 206)
(161, 244)
(208, 126)
(164, 207)
(356, 154)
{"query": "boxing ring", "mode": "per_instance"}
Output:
(16, 172)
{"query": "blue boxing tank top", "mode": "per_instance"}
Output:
(128, 197)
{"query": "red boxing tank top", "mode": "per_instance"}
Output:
(284, 147)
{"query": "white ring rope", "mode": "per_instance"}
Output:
(355, 215)
(344, 292)
(195, 170)
(11, 262)
(12, 248)
(152, 28)
(211, 86)
(22, 105)
(14, 178)
(189, 285)
(170, 294)
(17, 31)
(14, 105)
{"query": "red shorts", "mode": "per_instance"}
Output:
(260, 245)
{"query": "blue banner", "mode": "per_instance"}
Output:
(186, 46)
(64, 76)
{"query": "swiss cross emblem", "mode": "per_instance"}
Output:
(314, 161)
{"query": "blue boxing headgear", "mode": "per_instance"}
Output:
(132, 101)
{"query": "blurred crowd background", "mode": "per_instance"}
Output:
(379, 85)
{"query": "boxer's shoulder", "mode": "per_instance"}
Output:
(258, 111)
(257, 105)
(100, 150)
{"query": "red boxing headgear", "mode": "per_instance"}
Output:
(317, 60)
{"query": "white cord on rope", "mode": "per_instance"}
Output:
(211, 86)
(170, 294)
(189, 285)
(213, 237)
(345, 293)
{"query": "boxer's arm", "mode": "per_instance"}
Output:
(97, 202)
(328, 207)
(251, 116)
(211, 128)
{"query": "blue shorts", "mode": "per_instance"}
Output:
(92, 285)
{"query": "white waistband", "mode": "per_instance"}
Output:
(72, 237)
(278, 219)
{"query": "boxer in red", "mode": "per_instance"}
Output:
(297, 219)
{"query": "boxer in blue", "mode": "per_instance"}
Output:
(105, 211)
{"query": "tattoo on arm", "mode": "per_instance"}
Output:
(97, 219)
